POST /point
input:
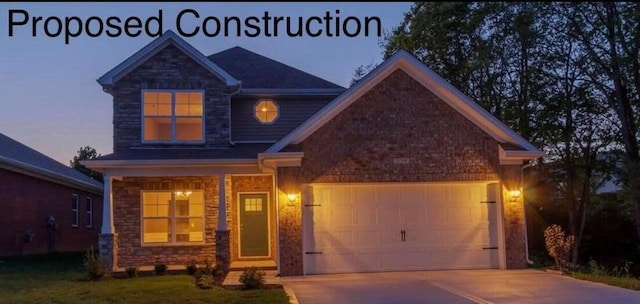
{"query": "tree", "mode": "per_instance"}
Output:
(574, 123)
(361, 71)
(610, 34)
(86, 153)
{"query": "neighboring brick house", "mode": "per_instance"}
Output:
(239, 158)
(47, 206)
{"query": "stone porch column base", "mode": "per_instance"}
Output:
(108, 249)
(222, 249)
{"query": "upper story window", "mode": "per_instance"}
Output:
(266, 111)
(173, 116)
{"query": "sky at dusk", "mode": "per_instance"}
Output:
(50, 98)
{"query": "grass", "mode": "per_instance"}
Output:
(60, 279)
(624, 282)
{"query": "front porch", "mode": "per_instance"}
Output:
(177, 219)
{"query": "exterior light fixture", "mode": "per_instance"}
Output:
(292, 197)
(514, 195)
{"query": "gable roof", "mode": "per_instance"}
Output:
(259, 72)
(155, 46)
(17, 157)
(429, 79)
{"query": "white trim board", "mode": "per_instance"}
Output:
(155, 46)
(426, 77)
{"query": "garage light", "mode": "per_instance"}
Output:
(514, 195)
(292, 197)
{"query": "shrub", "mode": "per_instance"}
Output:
(191, 268)
(218, 272)
(95, 266)
(198, 274)
(208, 267)
(204, 282)
(558, 245)
(252, 278)
(596, 269)
(132, 272)
(160, 269)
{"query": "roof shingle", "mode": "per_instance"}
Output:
(32, 160)
(239, 151)
(259, 72)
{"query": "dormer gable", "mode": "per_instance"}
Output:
(168, 38)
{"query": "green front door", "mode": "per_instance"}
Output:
(254, 225)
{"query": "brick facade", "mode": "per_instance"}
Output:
(127, 221)
(290, 222)
(514, 231)
(27, 202)
(168, 69)
(397, 132)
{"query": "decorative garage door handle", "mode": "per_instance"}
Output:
(403, 235)
(496, 247)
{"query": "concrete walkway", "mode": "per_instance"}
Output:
(454, 286)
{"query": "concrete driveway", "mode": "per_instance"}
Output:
(452, 287)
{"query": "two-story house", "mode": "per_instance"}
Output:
(237, 157)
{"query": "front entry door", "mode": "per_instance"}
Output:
(254, 225)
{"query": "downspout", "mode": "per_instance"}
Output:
(274, 181)
(229, 99)
(524, 214)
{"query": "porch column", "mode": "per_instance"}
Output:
(108, 239)
(222, 233)
(222, 204)
(107, 206)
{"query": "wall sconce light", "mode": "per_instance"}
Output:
(291, 197)
(514, 195)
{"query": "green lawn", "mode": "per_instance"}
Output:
(57, 279)
(624, 282)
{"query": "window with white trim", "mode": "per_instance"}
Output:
(266, 111)
(74, 210)
(172, 216)
(89, 209)
(172, 116)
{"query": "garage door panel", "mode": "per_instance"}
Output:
(413, 211)
(459, 193)
(438, 194)
(367, 239)
(415, 260)
(358, 228)
(388, 215)
(325, 241)
(366, 213)
(390, 261)
(458, 215)
(390, 238)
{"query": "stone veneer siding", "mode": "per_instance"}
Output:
(256, 183)
(169, 69)
(127, 221)
(514, 232)
(290, 222)
(397, 132)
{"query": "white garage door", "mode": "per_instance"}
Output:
(393, 227)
